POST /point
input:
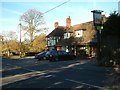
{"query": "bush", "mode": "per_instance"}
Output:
(106, 61)
(112, 59)
(116, 56)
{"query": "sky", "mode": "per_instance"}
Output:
(78, 10)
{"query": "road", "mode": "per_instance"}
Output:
(72, 74)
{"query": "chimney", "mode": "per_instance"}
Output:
(56, 24)
(68, 22)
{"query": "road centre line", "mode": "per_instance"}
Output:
(86, 84)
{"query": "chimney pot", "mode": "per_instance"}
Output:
(56, 24)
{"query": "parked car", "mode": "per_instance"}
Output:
(54, 55)
(40, 56)
(51, 55)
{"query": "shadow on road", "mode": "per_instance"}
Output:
(66, 74)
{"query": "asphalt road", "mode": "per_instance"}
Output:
(71, 74)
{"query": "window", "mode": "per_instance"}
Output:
(47, 38)
(79, 33)
(54, 38)
(51, 41)
(57, 40)
(66, 35)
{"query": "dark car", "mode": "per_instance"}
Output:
(40, 56)
(51, 55)
(54, 55)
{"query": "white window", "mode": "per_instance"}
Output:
(51, 38)
(57, 40)
(47, 38)
(52, 41)
(66, 35)
(49, 44)
(54, 38)
(79, 33)
(59, 37)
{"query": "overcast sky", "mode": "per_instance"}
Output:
(78, 10)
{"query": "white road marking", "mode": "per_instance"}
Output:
(31, 70)
(57, 83)
(17, 67)
(50, 76)
(32, 73)
(19, 77)
(86, 84)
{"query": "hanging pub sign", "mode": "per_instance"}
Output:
(97, 17)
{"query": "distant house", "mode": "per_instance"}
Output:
(79, 39)
(55, 36)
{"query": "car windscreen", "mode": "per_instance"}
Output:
(62, 53)
(54, 52)
(42, 53)
(51, 53)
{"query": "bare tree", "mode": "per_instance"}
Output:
(12, 35)
(32, 22)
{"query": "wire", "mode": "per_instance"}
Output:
(56, 6)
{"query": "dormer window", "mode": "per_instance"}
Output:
(78, 33)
